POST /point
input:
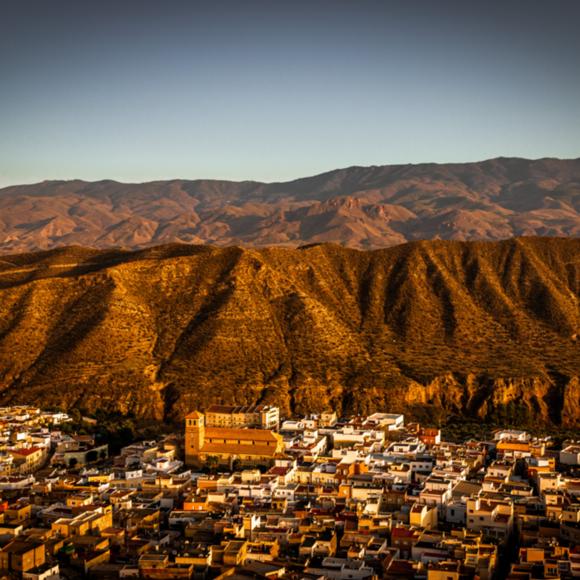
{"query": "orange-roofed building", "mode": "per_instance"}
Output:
(430, 435)
(513, 448)
(194, 415)
(27, 459)
(249, 446)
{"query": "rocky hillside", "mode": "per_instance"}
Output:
(485, 329)
(360, 207)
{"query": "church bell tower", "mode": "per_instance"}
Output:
(194, 436)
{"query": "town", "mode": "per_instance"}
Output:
(242, 493)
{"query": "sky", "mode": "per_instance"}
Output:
(137, 90)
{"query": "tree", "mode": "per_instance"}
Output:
(75, 415)
(211, 462)
(92, 455)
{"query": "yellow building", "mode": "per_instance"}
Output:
(235, 416)
(513, 448)
(249, 446)
(423, 516)
(28, 459)
(446, 570)
(21, 555)
(85, 522)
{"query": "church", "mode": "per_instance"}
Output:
(249, 446)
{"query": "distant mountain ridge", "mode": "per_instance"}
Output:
(359, 207)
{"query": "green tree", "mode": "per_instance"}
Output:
(211, 462)
(92, 456)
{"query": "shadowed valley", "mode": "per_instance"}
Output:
(480, 329)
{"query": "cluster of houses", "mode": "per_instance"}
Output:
(243, 494)
(25, 439)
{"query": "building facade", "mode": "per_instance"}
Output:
(226, 444)
(235, 416)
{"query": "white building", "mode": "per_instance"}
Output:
(392, 421)
(570, 455)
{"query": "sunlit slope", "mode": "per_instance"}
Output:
(483, 329)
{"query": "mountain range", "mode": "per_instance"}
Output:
(432, 328)
(359, 207)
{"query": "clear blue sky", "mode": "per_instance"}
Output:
(139, 89)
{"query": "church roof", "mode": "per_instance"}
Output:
(255, 450)
(241, 434)
(194, 415)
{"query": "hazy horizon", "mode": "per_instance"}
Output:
(141, 91)
(290, 179)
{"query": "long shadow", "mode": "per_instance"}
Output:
(97, 263)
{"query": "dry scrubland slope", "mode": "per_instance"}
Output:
(483, 329)
(363, 207)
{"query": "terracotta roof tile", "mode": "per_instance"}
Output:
(241, 434)
(261, 450)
